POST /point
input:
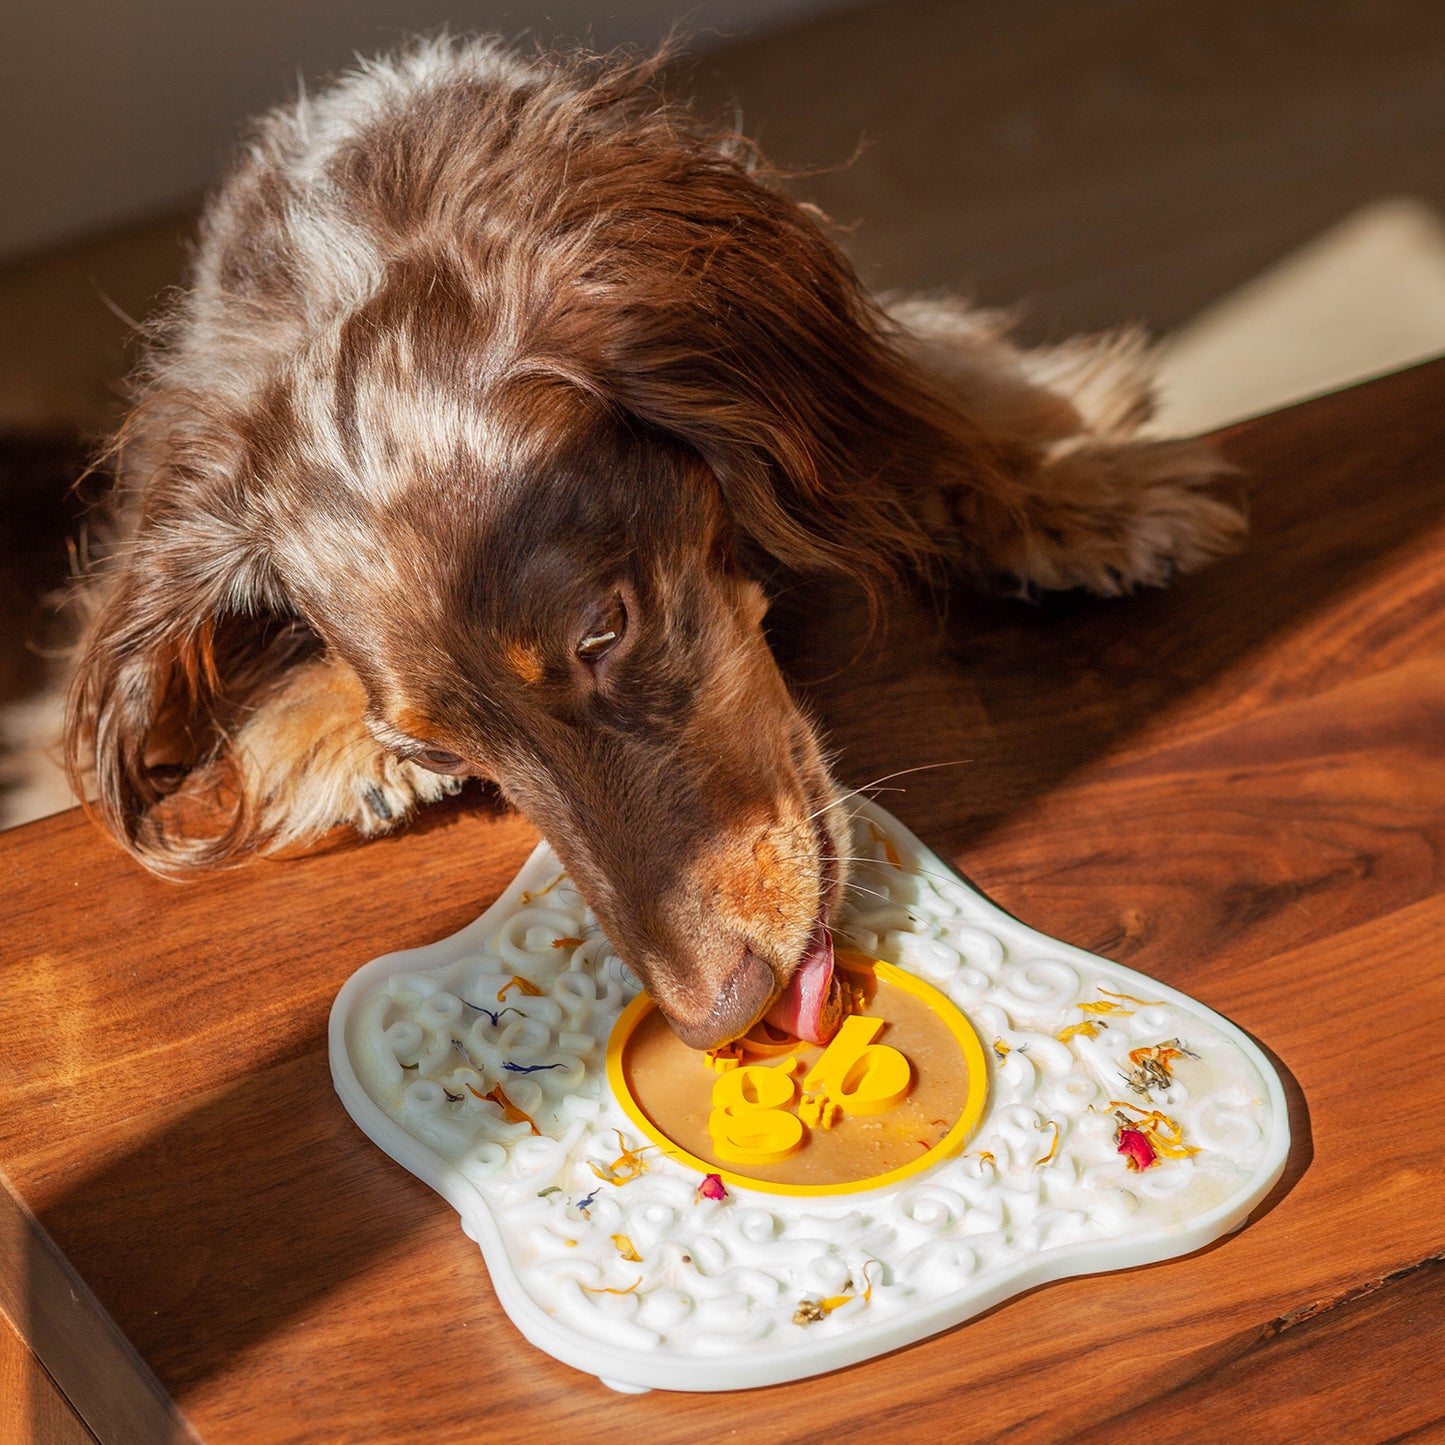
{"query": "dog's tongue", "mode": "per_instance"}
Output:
(811, 1007)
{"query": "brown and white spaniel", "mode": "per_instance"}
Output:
(500, 388)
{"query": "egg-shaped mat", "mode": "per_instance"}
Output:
(999, 1110)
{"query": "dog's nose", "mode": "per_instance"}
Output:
(741, 1000)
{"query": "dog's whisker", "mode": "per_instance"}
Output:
(875, 784)
(849, 818)
(854, 816)
(872, 892)
(872, 790)
(900, 867)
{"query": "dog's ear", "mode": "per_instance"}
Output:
(748, 336)
(189, 622)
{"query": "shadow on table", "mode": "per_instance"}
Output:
(975, 717)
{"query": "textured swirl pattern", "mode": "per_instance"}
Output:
(480, 1063)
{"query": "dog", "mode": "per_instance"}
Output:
(502, 389)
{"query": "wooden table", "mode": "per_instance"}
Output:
(1237, 786)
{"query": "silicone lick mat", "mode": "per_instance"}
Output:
(1121, 1123)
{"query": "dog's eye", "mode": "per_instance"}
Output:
(438, 760)
(604, 634)
(597, 645)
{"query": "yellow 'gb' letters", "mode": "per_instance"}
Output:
(752, 1112)
(750, 1121)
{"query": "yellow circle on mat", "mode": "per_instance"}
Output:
(975, 1067)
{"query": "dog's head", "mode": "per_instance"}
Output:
(502, 447)
(555, 602)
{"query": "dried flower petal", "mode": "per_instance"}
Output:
(494, 1015)
(603, 1289)
(889, 851)
(868, 1279)
(524, 986)
(510, 1112)
(527, 896)
(1129, 998)
(810, 1311)
(627, 1166)
(1136, 1149)
(1088, 1029)
(1053, 1148)
(712, 1187)
(1164, 1137)
(1153, 1067)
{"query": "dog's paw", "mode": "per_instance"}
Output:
(370, 793)
(1115, 516)
(394, 791)
(308, 764)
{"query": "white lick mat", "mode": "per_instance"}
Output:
(712, 1299)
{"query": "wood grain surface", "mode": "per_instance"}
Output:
(1235, 786)
(32, 1409)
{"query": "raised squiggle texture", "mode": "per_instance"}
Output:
(479, 1063)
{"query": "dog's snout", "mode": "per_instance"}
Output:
(741, 1000)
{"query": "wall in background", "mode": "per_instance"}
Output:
(112, 112)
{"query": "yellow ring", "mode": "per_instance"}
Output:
(975, 1066)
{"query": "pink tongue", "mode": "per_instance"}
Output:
(811, 1007)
